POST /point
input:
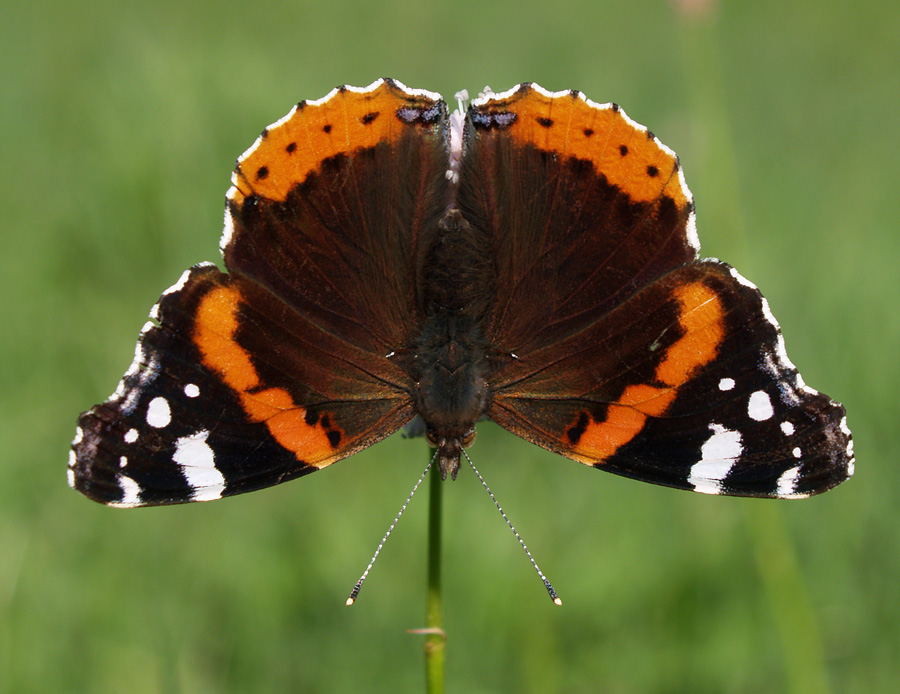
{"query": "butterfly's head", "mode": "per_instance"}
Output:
(449, 449)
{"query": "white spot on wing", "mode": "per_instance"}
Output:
(131, 436)
(726, 384)
(787, 483)
(797, 453)
(718, 456)
(158, 413)
(192, 390)
(72, 459)
(79, 434)
(70, 476)
(787, 428)
(131, 492)
(198, 465)
(760, 406)
(123, 461)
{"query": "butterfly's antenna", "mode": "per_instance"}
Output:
(549, 586)
(358, 586)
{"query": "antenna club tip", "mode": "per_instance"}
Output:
(350, 601)
(557, 601)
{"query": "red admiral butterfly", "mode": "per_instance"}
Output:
(535, 263)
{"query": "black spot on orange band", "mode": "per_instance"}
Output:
(576, 431)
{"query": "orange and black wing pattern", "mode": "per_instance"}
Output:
(533, 260)
(614, 344)
(281, 365)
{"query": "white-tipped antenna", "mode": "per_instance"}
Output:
(549, 586)
(355, 592)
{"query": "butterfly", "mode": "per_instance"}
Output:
(532, 260)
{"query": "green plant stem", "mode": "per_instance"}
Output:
(435, 638)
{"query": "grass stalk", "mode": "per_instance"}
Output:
(435, 638)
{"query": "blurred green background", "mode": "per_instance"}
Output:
(120, 125)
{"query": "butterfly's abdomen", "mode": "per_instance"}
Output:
(451, 391)
(451, 388)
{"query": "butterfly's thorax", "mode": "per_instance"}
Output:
(451, 368)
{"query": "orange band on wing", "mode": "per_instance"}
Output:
(700, 316)
(345, 121)
(624, 420)
(215, 329)
(569, 125)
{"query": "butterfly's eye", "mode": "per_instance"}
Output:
(466, 439)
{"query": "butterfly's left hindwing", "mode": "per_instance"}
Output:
(217, 402)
